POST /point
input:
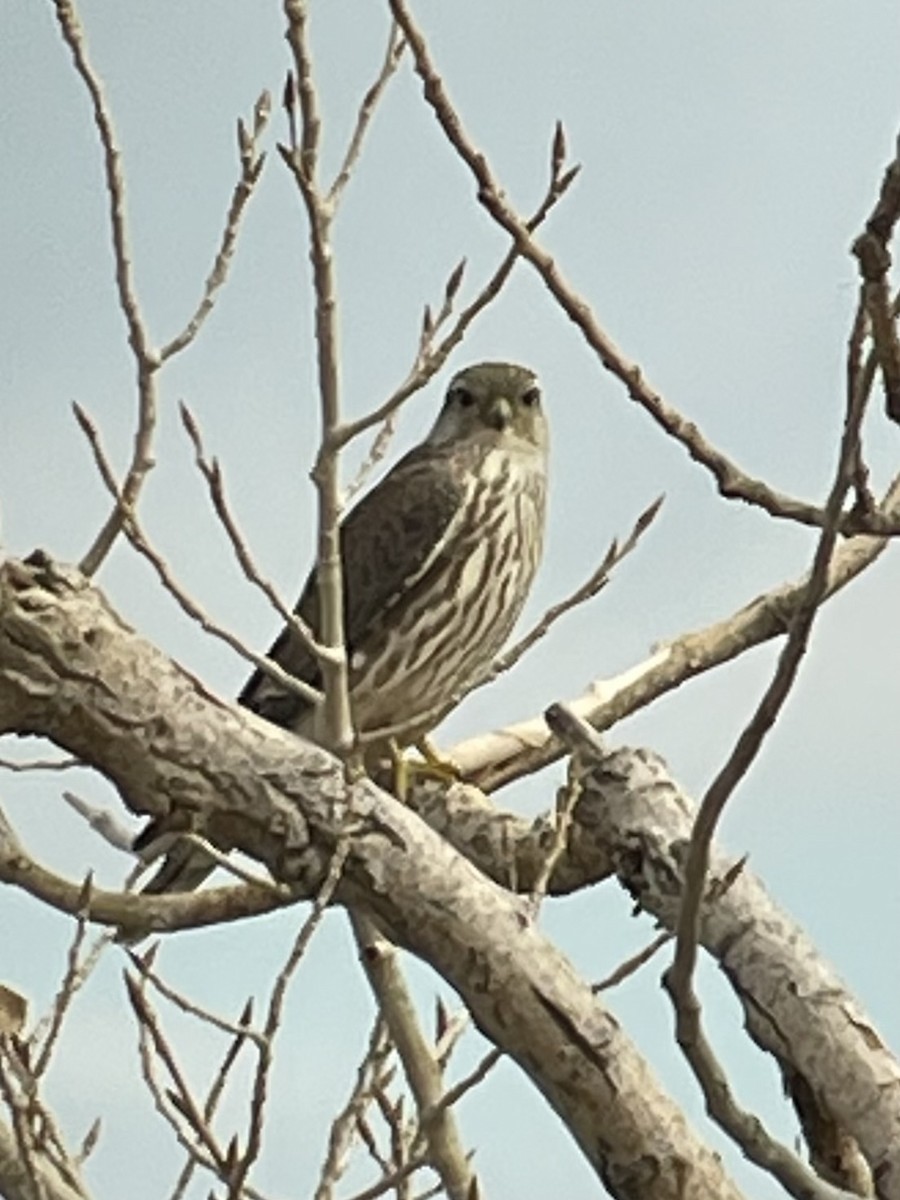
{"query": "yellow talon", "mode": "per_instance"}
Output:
(433, 765)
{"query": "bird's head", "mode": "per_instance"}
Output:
(499, 402)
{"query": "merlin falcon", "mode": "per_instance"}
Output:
(438, 559)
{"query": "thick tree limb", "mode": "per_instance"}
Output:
(71, 670)
(796, 1007)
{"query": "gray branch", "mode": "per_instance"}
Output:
(72, 671)
(842, 1078)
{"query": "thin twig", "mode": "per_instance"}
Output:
(20, 1125)
(430, 358)
(754, 1141)
(241, 1031)
(773, 699)
(303, 160)
(733, 483)
(139, 540)
(392, 56)
(477, 1075)
(211, 471)
(171, 1113)
(40, 764)
(873, 256)
(152, 852)
(185, 1105)
(595, 583)
(73, 34)
(252, 161)
(401, 1131)
(237, 1176)
(374, 455)
(566, 799)
(633, 964)
(346, 1123)
(143, 965)
(449, 1033)
(146, 358)
(51, 1168)
(71, 982)
(396, 1177)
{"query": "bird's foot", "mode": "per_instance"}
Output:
(432, 765)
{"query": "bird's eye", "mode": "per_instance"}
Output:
(532, 397)
(462, 397)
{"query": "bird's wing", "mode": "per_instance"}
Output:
(388, 542)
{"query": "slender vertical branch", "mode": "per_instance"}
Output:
(392, 56)
(147, 360)
(873, 256)
(750, 742)
(302, 156)
(742, 1126)
(445, 1150)
(73, 34)
(252, 161)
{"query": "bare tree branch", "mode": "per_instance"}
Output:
(633, 964)
(740, 1125)
(81, 961)
(212, 473)
(495, 759)
(445, 1150)
(372, 1071)
(796, 1007)
(733, 483)
(139, 540)
(430, 358)
(147, 359)
(39, 764)
(34, 1180)
(596, 581)
(180, 1096)
(392, 56)
(302, 157)
(874, 259)
(252, 162)
(140, 914)
(45, 1165)
(288, 804)
(265, 1046)
(216, 1090)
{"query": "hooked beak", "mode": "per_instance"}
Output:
(499, 414)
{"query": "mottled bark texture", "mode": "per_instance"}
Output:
(73, 671)
(842, 1078)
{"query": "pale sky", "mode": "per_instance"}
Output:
(730, 155)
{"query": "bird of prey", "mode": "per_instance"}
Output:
(438, 559)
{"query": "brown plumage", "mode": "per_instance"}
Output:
(438, 559)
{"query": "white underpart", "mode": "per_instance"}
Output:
(473, 619)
